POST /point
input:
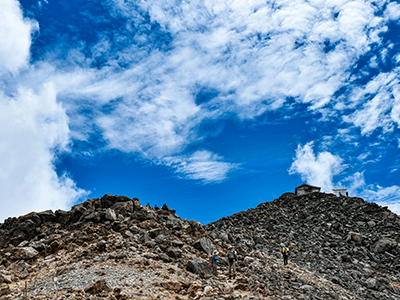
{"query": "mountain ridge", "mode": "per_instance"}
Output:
(341, 248)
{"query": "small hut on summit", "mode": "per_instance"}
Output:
(306, 189)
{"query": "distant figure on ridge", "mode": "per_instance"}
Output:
(285, 253)
(214, 262)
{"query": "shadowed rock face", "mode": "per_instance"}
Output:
(114, 248)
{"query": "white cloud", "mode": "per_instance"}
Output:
(363, 156)
(201, 165)
(15, 36)
(316, 170)
(32, 128)
(393, 11)
(252, 53)
(257, 55)
(382, 110)
(384, 196)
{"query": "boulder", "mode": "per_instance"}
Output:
(123, 208)
(384, 245)
(164, 257)
(144, 237)
(94, 217)
(47, 215)
(26, 252)
(204, 244)
(110, 214)
(5, 279)
(63, 217)
(172, 286)
(162, 239)
(198, 266)
(109, 200)
(370, 283)
(147, 223)
(354, 236)
(34, 217)
(307, 288)
(38, 245)
(98, 287)
(174, 252)
(248, 260)
(155, 232)
(224, 236)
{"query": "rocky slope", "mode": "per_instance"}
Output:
(346, 240)
(115, 248)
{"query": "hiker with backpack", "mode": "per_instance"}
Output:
(214, 262)
(248, 244)
(285, 253)
(232, 257)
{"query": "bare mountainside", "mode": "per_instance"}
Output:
(115, 248)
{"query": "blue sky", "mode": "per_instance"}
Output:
(209, 106)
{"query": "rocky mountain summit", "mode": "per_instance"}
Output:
(115, 248)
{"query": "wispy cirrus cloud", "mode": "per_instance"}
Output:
(379, 103)
(203, 165)
(139, 81)
(252, 55)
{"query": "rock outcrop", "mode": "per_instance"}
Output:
(115, 248)
(346, 240)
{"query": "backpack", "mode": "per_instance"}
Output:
(214, 260)
(284, 250)
(231, 256)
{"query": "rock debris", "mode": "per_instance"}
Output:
(115, 248)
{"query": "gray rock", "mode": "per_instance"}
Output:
(164, 257)
(198, 266)
(110, 214)
(203, 244)
(162, 239)
(354, 236)
(47, 215)
(26, 252)
(370, 283)
(5, 279)
(174, 252)
(384, 245)
(307, 288)
(94, 216)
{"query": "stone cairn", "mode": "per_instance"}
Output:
(115, 248)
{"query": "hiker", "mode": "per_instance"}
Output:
(285, 252)
(248, 244)
(214, 262)
(232, 257)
